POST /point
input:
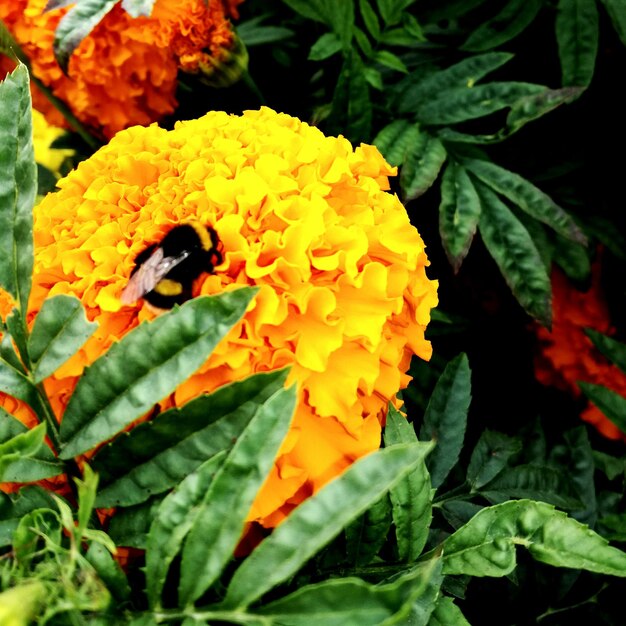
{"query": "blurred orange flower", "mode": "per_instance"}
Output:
(124, 72)
(344, 297)
(567, 356)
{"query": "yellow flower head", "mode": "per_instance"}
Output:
(344, 297)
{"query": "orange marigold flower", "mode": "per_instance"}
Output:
(124, 72)
(344, 297)
(567, 356)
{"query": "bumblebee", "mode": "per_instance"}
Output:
(164, 272)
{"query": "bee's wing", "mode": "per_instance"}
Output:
(149, 273)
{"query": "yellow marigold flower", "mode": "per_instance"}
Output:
(344, 297)
(44, 135)
(124, 72)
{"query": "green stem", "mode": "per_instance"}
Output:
(252, 86)
(204, 615)
(49, 417)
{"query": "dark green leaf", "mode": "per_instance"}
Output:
(129, 526)
(253, 33)
(391, 10)
(424, 604)
(516, 255)
(422, 164)
(138, 8)
(75, 25)
(490, 457)
(459, 512)
(367, 534)
(46, 180)
(390, 60)
(515, 17)
(364, 43)
(15, 506)
(604, 231)
(145, 366)
(447, 613)
(613, 526)
(445, 418)
(466, 73)
(158, 454)
(14, 383)
(61, 328)
(612, 404)
(312, 9)
(20, 446)
(396, 139)
(17, 330)
(18, 186)
(220, 522)
(370, 19)
(374, 78)
(614, 351)
(327, 45)
(486, 545)
(109, 571)
(572, 258)
(577, 31)
(319, 519)
(528, 197)
(581, 473)
(33, 530)
(174, 518)
(609, 465)
(411, 496)
(459, 213)
(617, 12)
(8, 354)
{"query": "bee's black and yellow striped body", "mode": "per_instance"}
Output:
(164, 272)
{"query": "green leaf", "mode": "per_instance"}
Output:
(490, 456)
(75, 25)
(39, 465)
(515, 253)
(319, 519)
(351, 601)
(174, 518)
(339, 16)
(253, 33)
(16, 384)
(370, 19)
(612, 404)
(33, 531)
(609, 465)
(364, 43)
(466, 73)
(15, 506)
(327, 45)
(577, 31)
(20, 446)
(86, 487)
(486, 545)
(539, 482)
(528, 197)
(17, 330)
(459, 212)
(220, 522)
(458, 512)
(391, 10)
(60, 330)
(470, 102)
(373, 77)
(614, 351)
(572, 258)
(390, 60)
(138, 8)
(396, 139)
(613, 526)
(445, 418)
(447, 613)
(130, 526)
(8, 354)
(411, 496)
(18, 186)
(424, 604)
(145, 366)
(422, 164)
(617, 12)
(368, 533)
(515, 17)
(109, 571)
(581, 473)
(158, 454)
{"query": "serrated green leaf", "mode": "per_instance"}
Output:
(466, 73)
(612, 404)
(422, 164)
(515, 17)
(60, 330)
(470, 102)
(533, 481)
(411, 497)
(129, 526)
(41, 464)
(145, 366)
(14, 507)
(319, 519)
(327, 45)
(370, 19)
(528, 197)
(109, 571)
(75, 25)
(490, 456)
(18, 186)
(158, 454)
(486, 545)
(614, 351)
(138, 8)
(396, 139)
(368, 533)
(220, 522)
(447, 613)
(459, 212)
(617, 12)
(174, 518)
(515, 253)
(577, 31)
(351, 601)
(445, 418)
